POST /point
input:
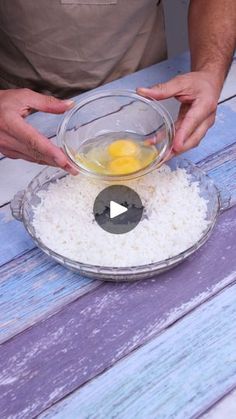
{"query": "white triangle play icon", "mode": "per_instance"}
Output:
(116, 209)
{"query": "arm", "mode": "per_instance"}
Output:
(212, 36)
(212, 39)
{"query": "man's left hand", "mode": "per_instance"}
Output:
(198, 94)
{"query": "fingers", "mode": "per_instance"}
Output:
(30, 142)
(11, 148)
(17, 155)
(157, 138)
(18, 139)
(190, 122)
(161, 91)
(45, 103)
(198, 96)
(194, 139)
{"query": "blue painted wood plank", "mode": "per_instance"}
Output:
(173, 376)
(222, 133)
(47, 362)
(221, 167)
(14, 239)
(33, 286)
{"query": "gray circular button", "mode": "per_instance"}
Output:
(118, 209)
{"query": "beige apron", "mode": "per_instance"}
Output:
(68, 46)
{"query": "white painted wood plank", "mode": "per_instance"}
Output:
(14, 176)
(225, 409)
(172, 376)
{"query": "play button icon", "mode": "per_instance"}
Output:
(118, 209)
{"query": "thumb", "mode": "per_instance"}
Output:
(48, 104)
(161, 90)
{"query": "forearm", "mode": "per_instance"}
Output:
(212, 36)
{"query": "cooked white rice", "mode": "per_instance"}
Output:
(65, 223)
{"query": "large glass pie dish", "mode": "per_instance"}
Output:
(24, 202)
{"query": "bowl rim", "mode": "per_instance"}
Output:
(154, 104)
(105, 272)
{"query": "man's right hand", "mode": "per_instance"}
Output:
(18, 139)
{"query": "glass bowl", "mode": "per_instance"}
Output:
(118, 114)
(22, 209)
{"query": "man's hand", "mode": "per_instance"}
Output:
(198, 94)
(18, 139)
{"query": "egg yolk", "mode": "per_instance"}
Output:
(124, 165)
(120, 148)
(121, 157)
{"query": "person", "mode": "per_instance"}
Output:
(56, 49)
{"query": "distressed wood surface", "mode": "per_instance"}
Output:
(221, 135)
(173, 376)
(48, 361)
(32, 286)
(16, 174)
(221, 167)
(225, 408)
(56, 356)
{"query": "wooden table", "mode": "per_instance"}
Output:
(161, 348)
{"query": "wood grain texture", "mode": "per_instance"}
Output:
(56, 356)
(173, 376)
(223, 133)
(44, 286)
(221, 167)
(33, 286)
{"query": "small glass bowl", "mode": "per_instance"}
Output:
(116, 111)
